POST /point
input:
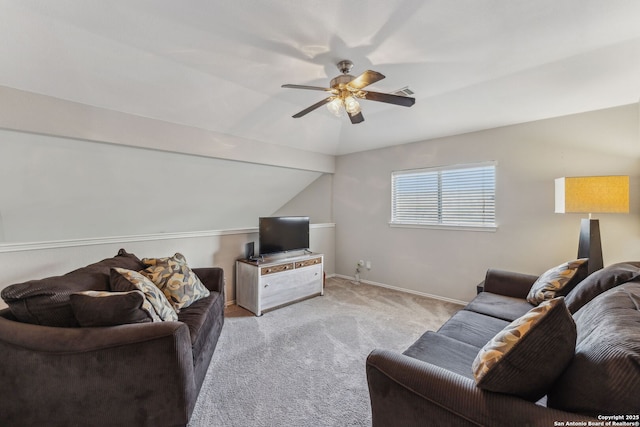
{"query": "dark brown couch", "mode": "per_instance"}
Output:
(432, 382)
(142, 374)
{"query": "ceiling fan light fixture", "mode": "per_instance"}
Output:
(351, 105)
(335, 106)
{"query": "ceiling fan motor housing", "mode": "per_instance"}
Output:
(341, 80)
(345, 67)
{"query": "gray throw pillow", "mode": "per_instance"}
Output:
(99, 308)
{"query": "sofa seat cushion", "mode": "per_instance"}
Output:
(601, 281)
(200, 318)
(47, 301)
(472, 328)
(499, 306)
(604, 375)
(445, 352)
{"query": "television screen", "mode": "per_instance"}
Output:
(283, 233)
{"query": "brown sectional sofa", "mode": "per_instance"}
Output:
(432, 382)
(140, 374)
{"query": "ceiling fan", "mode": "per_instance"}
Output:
(346, 90)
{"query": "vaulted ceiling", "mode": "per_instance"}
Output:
(219, 65)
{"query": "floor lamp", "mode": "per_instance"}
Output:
(592, 194)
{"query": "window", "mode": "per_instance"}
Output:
(453, 196)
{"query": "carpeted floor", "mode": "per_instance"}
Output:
(304, 364)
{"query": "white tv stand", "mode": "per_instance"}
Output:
(277, 281)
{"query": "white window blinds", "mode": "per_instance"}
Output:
(461, 196)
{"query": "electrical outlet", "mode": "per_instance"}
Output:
(368, 265)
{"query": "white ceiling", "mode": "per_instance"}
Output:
(219, 65)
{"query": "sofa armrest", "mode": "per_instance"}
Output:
(508, 283)
(405, 392)
(138, 374)
(212, 278)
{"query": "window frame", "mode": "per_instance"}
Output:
(436, 169)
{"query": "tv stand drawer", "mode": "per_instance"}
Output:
(276, 268)
(308, 262)
(287, 287)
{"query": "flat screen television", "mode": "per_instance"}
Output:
(283, 234)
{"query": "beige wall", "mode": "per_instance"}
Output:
(54, 188)
(315, 201)
(530, 237)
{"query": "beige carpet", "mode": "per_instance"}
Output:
(304, 364)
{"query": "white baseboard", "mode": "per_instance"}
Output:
(408, 291)
(383, 285)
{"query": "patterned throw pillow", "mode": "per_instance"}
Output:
(126, 280)
(101, 308)
(553, 281)
(178, 282)
(529, 354)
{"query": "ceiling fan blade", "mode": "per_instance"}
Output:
(405, 101)
(356, 118)
(313, 107)
(327, 89)
(365, 79)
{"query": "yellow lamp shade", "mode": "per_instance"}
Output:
(589, 194)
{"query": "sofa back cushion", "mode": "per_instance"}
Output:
(47, 301)
(604, 375)
(601, 281)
